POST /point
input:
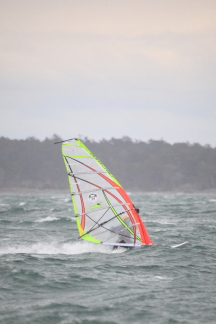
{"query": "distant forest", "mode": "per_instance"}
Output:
(138, 166)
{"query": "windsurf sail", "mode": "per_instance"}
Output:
(104, 212)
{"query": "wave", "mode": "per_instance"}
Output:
(45, 248)
(47, 219)
(161, 221)
(54, 219)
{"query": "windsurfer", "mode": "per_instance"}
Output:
(122, 237)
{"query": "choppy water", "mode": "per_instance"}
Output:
(47, 276)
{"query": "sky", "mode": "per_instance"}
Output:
(108, 68)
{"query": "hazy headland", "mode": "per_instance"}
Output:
(32, 165)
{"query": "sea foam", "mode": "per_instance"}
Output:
(54, 248)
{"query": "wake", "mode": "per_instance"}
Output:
(44, 248)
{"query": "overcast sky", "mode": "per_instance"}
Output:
(108, 68)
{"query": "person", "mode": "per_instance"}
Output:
(136, 209)
(124, 236)
(122, 232)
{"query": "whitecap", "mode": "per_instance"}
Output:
(47, 219)
(162, 221)
(45, 248)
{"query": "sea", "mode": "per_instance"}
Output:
(48, 276)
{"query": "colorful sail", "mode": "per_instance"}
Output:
(104, 212)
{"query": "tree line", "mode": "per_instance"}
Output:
(138, 166)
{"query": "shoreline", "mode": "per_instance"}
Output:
(32, 191)
(67, 191)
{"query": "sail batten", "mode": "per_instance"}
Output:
(99, 189)
(90, 172)
(99, 209)
(113, 218)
